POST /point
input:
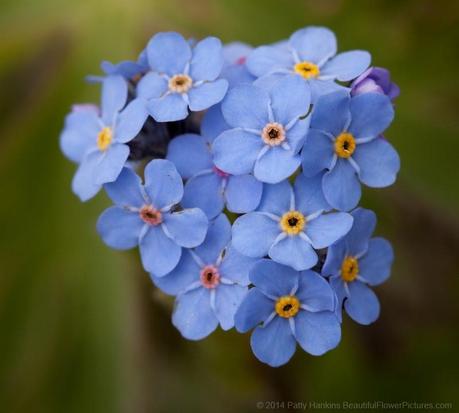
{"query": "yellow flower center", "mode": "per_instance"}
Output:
(180, 83)
(292, 222)
(345, 145)
(287, 306)
(273, 134)
(307, 69)
(349, 269)
(104, 138)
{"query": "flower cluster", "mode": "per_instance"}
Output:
(253, 161)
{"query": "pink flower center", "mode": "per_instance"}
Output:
(210, 277)
(219, 172)
(150, 215)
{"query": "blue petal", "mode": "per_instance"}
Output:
(235, 51)
(246, 106)
(309, 197)
(276, 198)
(236, 266)
(317, 333)
(356, 240)
(207, 61)
(276, 165)
(273, 279)
(243, 193)
(341, 186)
(314, 44)
(290, 99)
(254, 309)
(227, 301)
(114, 95)
(206, 95)
(315, 292)
(126, 190)
(371, 114)
(267, 59)
(187, 228)
(331, 113)
(131, 121)
(324, 87)
(362, 305)
(328, 228)
(217, 238)
(296, 135)
(184, 274)
(338, 286)
(346, 66)
(169, 108)
(254, 233)
(317, 153)
(119, 228)
(294, 252)
(190, 154)
(80, 134)
(213, 123)
(193, 316)
(83, 183)
(111, 163)
(168, 53)
(205, 192)
(273, 344)
(375, 265)
(378, 161)
(335, 256)
(159, 254)
(236, 151)
(163, 183)
(152, 85)
(237, 75)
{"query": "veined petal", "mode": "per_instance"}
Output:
(119, 228)
(208, 94)
(188, 228)
(126, 190)
(276, 165)
(254, 309)
(276, 198)
(243, 193)
(169, 108)
(294, 252)
(168, 53)
(328, 228)
(315, 292)
(227, 301)
(207, 61)
(267, 59)
(309, 197)
(347, 65)
(236, 266)
(190, 154)
(314, 44)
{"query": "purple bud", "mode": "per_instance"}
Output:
(375, 80)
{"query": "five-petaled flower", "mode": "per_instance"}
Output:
(267, 130)
(287, 307)
(210, 282)
(356, 262)
(309, 55)
(98, 143)
(289, 224)
(182, 76)
(145, 215)
(345, 139)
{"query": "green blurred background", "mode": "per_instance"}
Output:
(82, 328)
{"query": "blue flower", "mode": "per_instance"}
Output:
(288, 225)
(356, 262)
(345, 140)
(146, 216)
(208, 187)
(309, 55)
(287, 307)
(182, 77)
(98, 143)
(234, 70)
(267, 131)
(210, 282)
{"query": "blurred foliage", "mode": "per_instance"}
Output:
(82, 328)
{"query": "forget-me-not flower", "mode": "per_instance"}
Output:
(345, 139)
(145, 215)
(208, 187)
(182, 76)
(289, 224)
(356, 262)
(310, 54)
(267, 130)
(98, 143)
(210, 282)
(287, 307)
